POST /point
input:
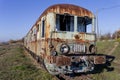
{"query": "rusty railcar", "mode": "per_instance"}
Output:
(60, 39)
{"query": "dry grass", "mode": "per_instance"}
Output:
(104, 48)
(14, 65)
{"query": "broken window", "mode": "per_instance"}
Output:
(82, 23)
(64, 22)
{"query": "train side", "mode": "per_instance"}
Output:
(59, 38)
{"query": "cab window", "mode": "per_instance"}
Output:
(64, 22)
(82, 23)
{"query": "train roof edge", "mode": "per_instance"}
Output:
(67, 8)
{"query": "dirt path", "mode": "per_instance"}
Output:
(115, 46)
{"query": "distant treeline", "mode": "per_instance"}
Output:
(111, 36)
(15, 41)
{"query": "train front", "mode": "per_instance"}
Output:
(72, 45)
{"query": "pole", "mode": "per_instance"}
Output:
(97, 26)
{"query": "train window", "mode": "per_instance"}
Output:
(37, 27)
(34, 30)
(43, 28)
(64, 22)
(89, 28)
(82, 23)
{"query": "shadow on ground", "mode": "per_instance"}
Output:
(107, 65)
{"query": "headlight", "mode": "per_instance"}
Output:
(64, 48)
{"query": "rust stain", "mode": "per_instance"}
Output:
(65, 40)
(63, 60)
(76, 37)
(58, 60)
(99, 59)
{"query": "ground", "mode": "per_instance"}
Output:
(16, 64)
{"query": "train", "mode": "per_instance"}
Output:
(64, 39)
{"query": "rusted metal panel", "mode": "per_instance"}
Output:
(51, 59)
(75, 35)
(69, 8)
(99, 60)
(66, 61)
(63, 60)
(90, 37)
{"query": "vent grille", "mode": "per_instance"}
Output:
(78, 48)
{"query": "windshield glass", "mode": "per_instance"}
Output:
(64, 22)
(82, 23)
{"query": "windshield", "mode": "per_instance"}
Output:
(64, 22)
(82, 23)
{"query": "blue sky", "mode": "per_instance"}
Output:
(18, 16)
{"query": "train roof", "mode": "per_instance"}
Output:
(66, 8)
